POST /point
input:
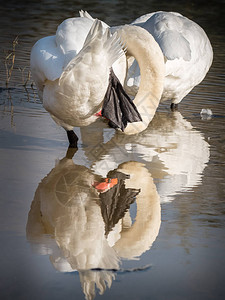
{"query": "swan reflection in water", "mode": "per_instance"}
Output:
(82, 221)
(174, 152)
(80, 215)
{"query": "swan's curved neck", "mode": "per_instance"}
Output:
(149, 56)
(138, 237)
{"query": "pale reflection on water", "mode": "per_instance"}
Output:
(166, 241)
(68, 209)
(83, 229)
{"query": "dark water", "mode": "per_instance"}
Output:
(171, 243)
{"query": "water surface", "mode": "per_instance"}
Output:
(56, 226)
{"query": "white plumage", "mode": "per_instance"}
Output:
(73, 79)
(71, 69)
(66, 222)
(186, 48)
(51, 54)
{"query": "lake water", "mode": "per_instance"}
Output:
(56, 237)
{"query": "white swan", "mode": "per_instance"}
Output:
(72, 85)
(186, 48)
(187, 51)
(73, 90)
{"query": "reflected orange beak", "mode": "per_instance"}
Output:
(99, 114)
(105, 185)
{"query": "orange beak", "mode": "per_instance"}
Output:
(105, 185)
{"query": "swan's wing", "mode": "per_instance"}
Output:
(99, 42)
(169, 29)
(71, 34)
(46, 62)
(174, 45)
(112, 45)
(142, 19)
(51, 54)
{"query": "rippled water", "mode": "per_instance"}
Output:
(54, 225)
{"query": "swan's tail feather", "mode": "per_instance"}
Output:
(85, 14)
(114, 47)
(95, 32)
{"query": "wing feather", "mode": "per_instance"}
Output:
(169, 32)
(110, 45)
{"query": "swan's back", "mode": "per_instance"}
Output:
(178, 37)
(187, 50)
(50, 55)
